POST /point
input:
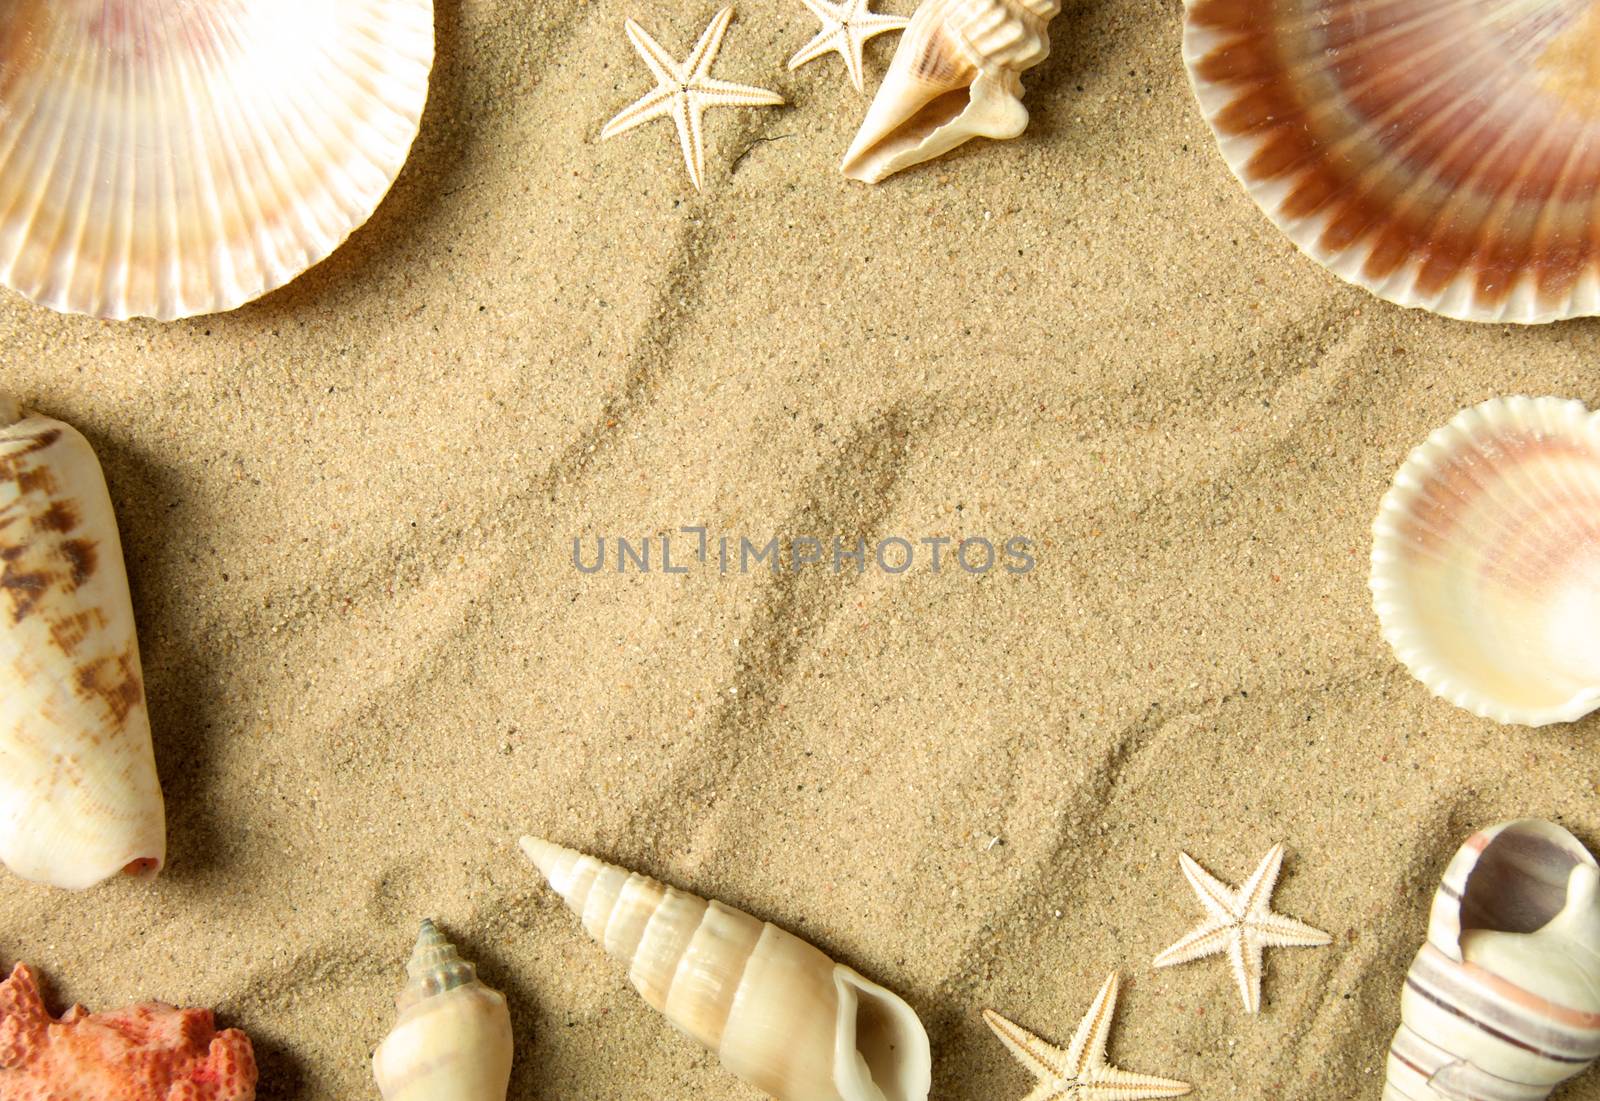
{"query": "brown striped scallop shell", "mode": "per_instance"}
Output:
(1503, 1000)
(1444, 154)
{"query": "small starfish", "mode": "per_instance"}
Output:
(1240, 923)
(684, 91)
(1081, 1073)
(846, 26)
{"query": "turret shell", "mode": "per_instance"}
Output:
(452, 1039)
(1503, 1000)
(79, 798)
(779, 1013)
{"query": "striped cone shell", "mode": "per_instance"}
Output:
(166, 158)
(779, 1013)
(1503, 1000)
(79, 799)
(1486, 561)
(1443, 154)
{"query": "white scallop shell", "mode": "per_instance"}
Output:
(79, 799)
(1486, 561)
(452, 1040)
(781, 1015)
(1442, 155)
(1503, 1000)
(956, 75)
(166, 158)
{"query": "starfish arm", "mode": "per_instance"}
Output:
(1214, 894)
(1256, 894)
(1278, 931)
(686, 114)
(830, 15)
(699, 62)
(723, 93)
(869, 24)
(823, 43)
(853, 63)
(1114, 1084)
(656, 59)
(648, 107)
(1207, 939)
(1050, 1090)
(1088, 1048)
(1244, 954)
(1044, 1061)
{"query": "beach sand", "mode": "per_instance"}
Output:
(349, 512)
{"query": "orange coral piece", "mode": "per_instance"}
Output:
(148, 1052)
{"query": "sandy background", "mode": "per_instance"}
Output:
(349, 508)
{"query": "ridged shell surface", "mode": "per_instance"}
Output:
(1503, 1001)
(452, 1040)
(1486, 561)
(166, 158)
(779, 1013)
(1444, 154)
(956, 75)
(79, 798)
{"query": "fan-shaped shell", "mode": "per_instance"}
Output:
(956, 75)
(1486, 561)
(779, 1013)
(79, 799)
(1444, 155)
(1503, 1000)
(166, 158)
(452, 1039)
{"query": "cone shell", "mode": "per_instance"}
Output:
(956, 75)
(147, 1052)
(1442, 155)
(452, 1040)
(166, 158)
(1503, 1001)
(1486, 561)
(781, 1015)
(79, 799)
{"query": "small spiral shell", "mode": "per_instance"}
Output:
(779, 1013)
(452, 1040)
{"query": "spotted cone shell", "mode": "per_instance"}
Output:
(79, 799)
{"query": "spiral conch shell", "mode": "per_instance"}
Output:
(1486, 561)
(452, 1041)
(1503, 1001)
(781, 1015)
(1441, 155)
(956, 75)
(79, 798)
(166, 158)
